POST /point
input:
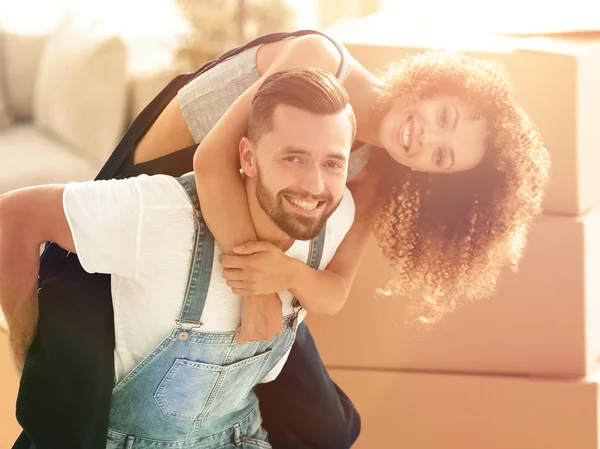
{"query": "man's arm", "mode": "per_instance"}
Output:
(28, 218)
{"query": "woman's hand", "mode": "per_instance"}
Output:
(258, 268)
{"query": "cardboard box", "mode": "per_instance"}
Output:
(555, 79)
(542, 321)
(437, 411)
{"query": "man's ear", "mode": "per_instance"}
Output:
(248, 157)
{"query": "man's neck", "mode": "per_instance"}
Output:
(265, 229)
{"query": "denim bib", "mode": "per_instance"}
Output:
(196, 389)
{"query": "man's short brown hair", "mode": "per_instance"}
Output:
(309, 89)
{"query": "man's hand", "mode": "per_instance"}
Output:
(260, 268)
(262, 318)
(28, 218)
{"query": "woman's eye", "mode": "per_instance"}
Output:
(439, 157)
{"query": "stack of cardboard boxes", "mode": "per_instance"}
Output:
(515, 371)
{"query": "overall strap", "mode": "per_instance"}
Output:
(202, 261)
(315, 252)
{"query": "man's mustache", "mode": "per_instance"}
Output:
(303, 195)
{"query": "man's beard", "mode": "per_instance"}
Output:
(297, 226)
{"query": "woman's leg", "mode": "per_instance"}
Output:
(303, 407)
(65, 392)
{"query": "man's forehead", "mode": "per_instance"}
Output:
(309, 133)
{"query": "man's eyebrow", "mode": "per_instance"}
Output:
(294, 150)
(304, 152)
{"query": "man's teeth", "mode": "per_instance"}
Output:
(406, 133)
(306, 205)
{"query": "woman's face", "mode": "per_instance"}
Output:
(438, 134)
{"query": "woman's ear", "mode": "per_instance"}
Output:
(247, 157)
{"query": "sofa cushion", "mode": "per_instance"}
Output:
(22, 55)
(29, 157)
(80, 93)
(5, 113)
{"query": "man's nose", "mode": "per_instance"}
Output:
(312, 181)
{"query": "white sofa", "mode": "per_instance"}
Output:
(65, 100)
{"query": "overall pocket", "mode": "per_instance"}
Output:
(192, 390)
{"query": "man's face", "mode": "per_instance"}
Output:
(301, 167)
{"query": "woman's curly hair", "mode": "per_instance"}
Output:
(449, 235)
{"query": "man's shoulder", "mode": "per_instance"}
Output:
(343, 216)
(345, 210)
(152, 191)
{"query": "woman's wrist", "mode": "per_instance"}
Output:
(294, 271)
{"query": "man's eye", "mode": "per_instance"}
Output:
(293, 159)
(334, 165)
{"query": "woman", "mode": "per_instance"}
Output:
(445, 230)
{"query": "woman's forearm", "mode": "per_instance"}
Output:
(326, 291)
(222, 194)
(225, 207)
(319, 291)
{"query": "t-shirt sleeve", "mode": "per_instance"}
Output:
(103, 217)
(338, 226)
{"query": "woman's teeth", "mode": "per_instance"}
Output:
(306, 205)
(407, 132)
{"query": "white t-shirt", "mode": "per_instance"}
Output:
(141, 231)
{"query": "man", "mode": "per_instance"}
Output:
(177, 363)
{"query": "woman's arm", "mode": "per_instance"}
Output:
(326, 291)
(216, 168)
(260, 267)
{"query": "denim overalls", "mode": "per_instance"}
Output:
(196, 389)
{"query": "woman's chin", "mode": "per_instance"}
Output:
(399, 155)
